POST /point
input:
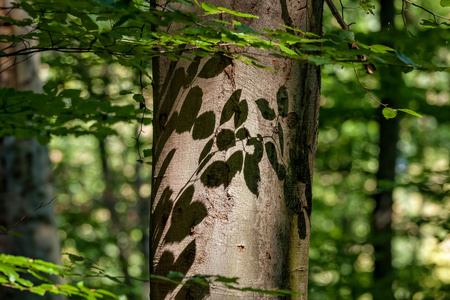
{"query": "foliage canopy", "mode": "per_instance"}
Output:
(131, 32)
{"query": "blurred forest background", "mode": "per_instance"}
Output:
(103, 192)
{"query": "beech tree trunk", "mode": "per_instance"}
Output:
(25, 175)
(233, 150)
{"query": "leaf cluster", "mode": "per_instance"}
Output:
(59, 113)
(13, 268)
(132, 34)
(211, 280)
(137, 32)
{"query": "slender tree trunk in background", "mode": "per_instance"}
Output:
(110, 201)
(143, 207)
(233, 156)
(391, 83)
(25, 176)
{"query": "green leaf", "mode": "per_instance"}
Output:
(147, 152)
(380, 48)
(411, 112)
(318, 60)
(367, 6)
(267, 292)
(347, 35)
(38, 290)
(227, 279)
(74, 258)
(18, 234)
(236, 13)
(244, 28)
(39, 276)
(24, 282)
(402, 56)
(138, 98)
(3, 279)
(125, 92)
(429, 23)
(211, 9)
(288, 51)
(445, 3)
(389, 113)
(9, 272)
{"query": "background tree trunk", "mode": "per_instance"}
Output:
(233, 155)
(391, 85)
(25, 175)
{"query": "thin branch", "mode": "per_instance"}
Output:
(370, 95)
(336, 14)
(428, 11)
(142, 104)
(342, 9)
(370, 68)
(43, 204)
(404, 19)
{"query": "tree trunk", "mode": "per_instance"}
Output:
(25, 176)
(233, 156)
(391, 83)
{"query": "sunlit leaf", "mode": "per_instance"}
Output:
(445, 3)
(236, 13)
(411, 112)
(380, 48)
(429, 23)
(389, 113)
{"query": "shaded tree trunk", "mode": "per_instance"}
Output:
(233, 156)
(25, 176)
(391, 83)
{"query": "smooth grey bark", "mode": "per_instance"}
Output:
(25, 177)
(233, 156)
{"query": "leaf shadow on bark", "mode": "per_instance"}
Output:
(183, 213)
(174, 217)
(167, 263)
(160, 216)
(186, 214)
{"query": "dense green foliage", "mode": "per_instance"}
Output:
(130, 33)
(342, 255)
(13, 268)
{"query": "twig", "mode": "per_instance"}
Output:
(370, 95)
(422, 8)
(43, 204)
(404, 19)
(142, 104)
(370, 68)
(428, 11)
